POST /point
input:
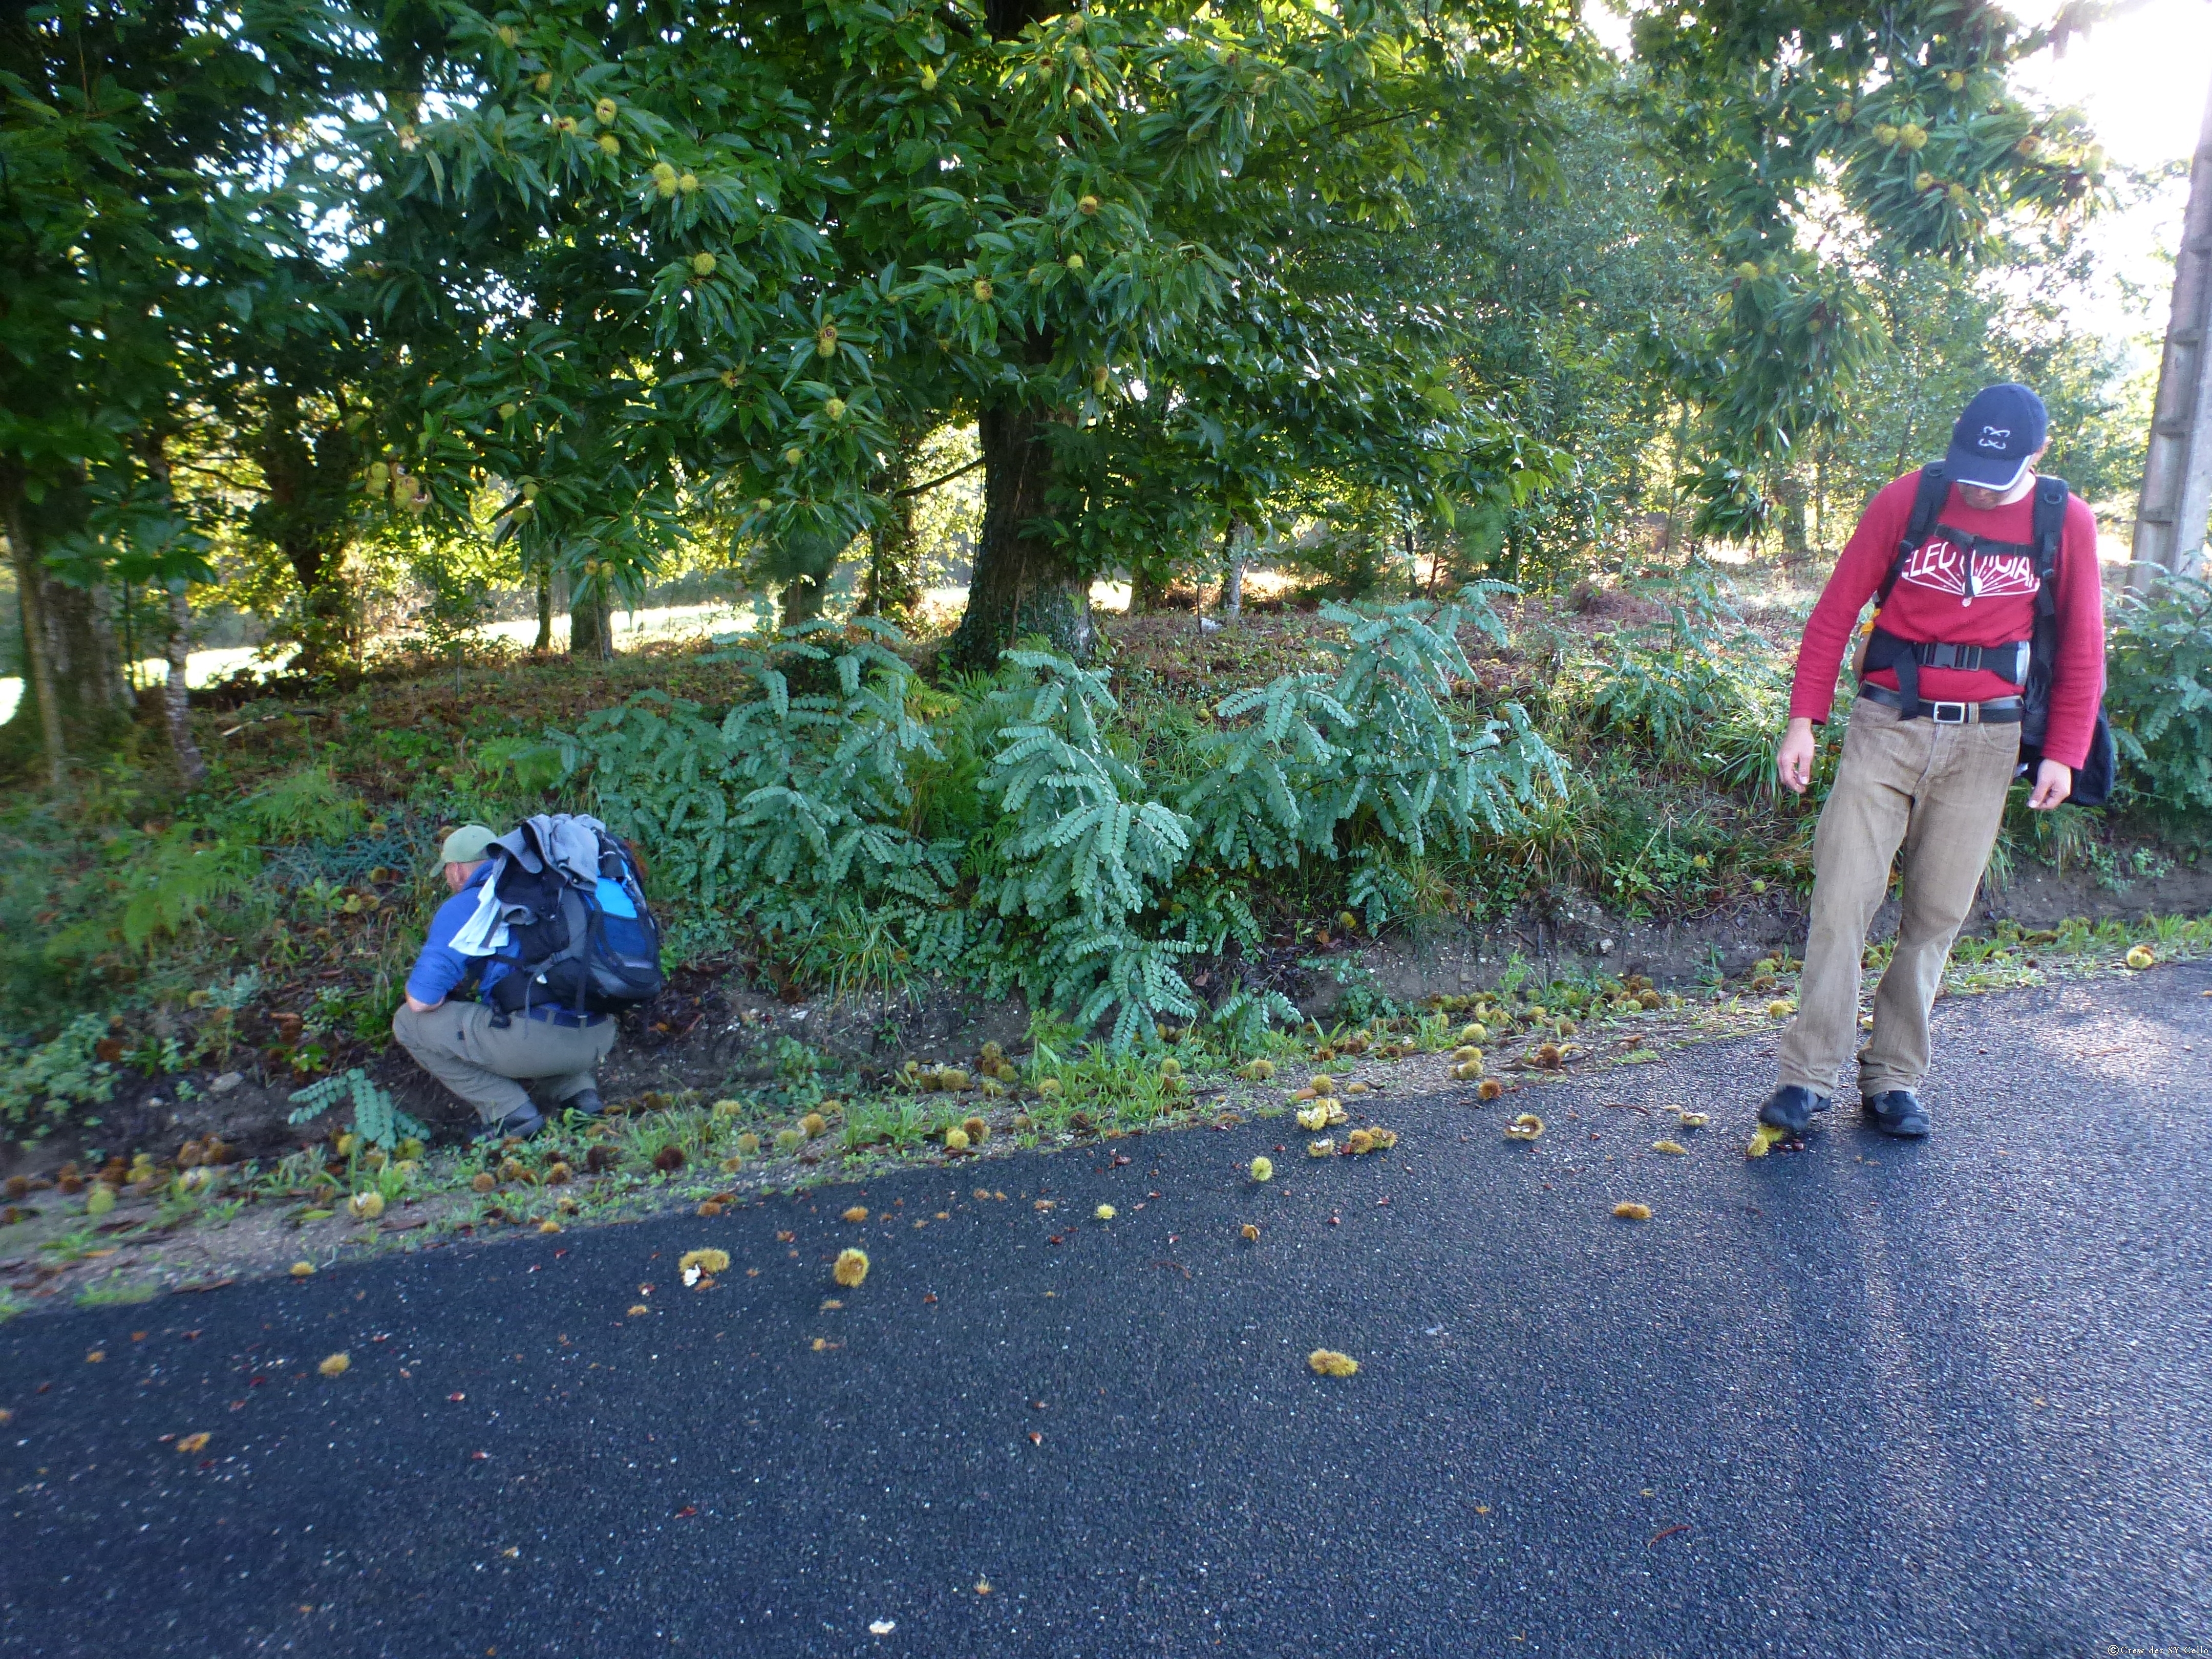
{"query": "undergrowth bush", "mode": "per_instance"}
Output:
(43, 1084)
(2159, 691)
(1700, 690)
(1027, 849)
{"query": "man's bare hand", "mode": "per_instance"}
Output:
(1793, 761)
(2053, 783)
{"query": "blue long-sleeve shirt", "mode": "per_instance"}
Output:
(441, 969)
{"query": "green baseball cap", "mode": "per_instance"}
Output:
(470, 844)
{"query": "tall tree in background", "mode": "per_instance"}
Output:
(144, 153)
(1810, 146)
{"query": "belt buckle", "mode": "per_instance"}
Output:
(1957, 716)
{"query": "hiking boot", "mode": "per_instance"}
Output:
(519, 1124)
(1791, 1108)
(585, 1103)
(1896, 1112)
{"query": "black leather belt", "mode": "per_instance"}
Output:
(1998, 711)
(564, 1017)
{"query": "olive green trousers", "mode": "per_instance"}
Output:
(1937, 792)
(457, 1044)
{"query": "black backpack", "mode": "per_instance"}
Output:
(2027, 663)
(588, 947)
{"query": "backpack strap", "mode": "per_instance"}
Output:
(1928, 499)
(1933, 489)
(2047, 534)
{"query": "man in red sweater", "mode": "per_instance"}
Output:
(1932, 778)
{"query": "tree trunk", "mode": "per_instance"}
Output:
(1237, 545)
(307, 516)
(892, 588)
(1789, 491)
(592, 622)
(1148, 588)
(544, 612)
(1022, 585)
(38, 699)
(73, 693)
(800, 601)
(176, 700)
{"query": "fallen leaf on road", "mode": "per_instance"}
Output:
(1667, 1532)
(301, 1269)
(824, 1345)
(637, 1308)
(1327, 1362)
(687, 1511)
(858, 1213)
(95, 1356)
(1633, 1211)
(1045, 1204)
(335, 1365)
(1672, 1148)
(1103, 1212)
(192, 1442)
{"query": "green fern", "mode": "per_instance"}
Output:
(793, 805)
(377, 1118)
(1317, 766)
(176, 876)
(308, 805)
(1079, 857)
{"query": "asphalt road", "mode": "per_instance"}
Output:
(1869, 1399)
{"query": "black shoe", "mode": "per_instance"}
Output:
(1897, 1112)
(519, 1124)
(1791, 1108)
(585, 1103)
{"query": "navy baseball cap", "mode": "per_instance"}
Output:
(1996, 437)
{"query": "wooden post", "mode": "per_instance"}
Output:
(2177, 489)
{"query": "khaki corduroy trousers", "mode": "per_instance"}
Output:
(1938, 792)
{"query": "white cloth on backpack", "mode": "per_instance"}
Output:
(570, 842)
(485, 932)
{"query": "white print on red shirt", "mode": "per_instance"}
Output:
(1942, 567)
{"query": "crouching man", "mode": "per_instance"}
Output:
(481, 1056)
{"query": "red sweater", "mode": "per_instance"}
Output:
(1929, 604)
